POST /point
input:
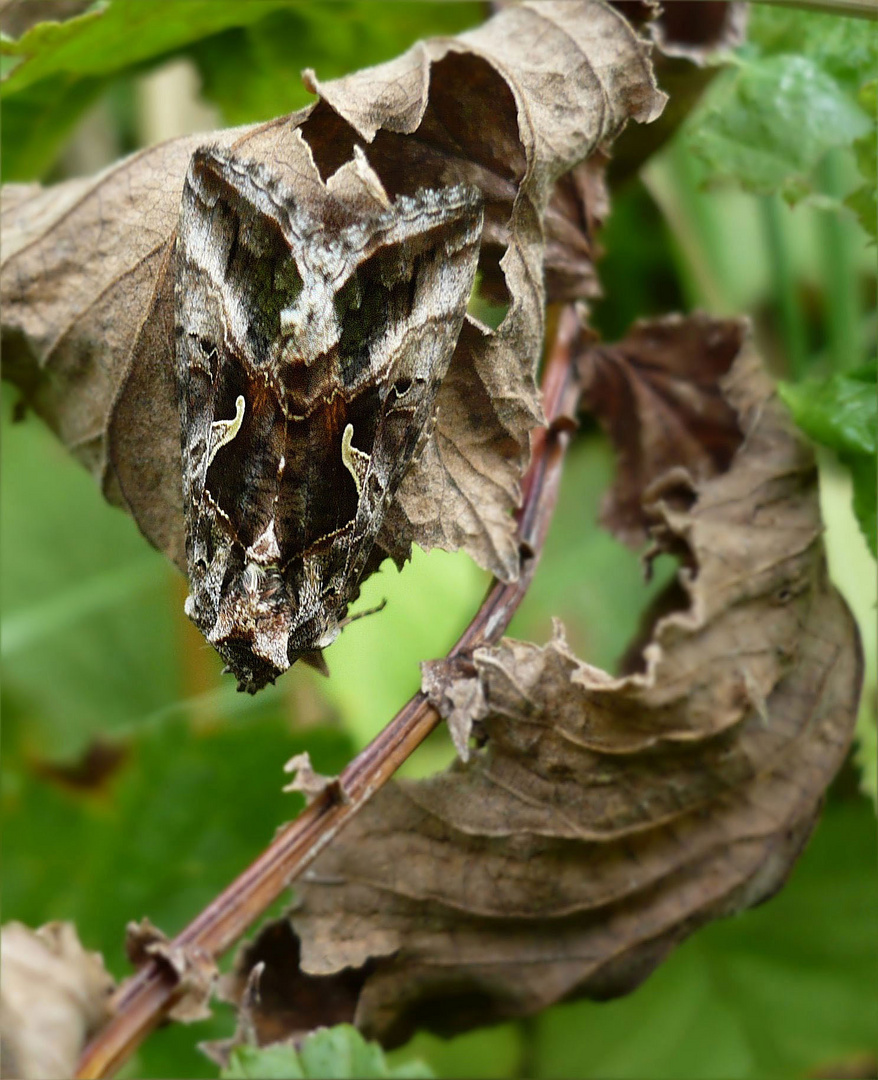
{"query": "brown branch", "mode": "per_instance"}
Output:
(142, 1002)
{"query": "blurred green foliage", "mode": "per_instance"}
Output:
(249, 55)
(137, 782)
(340, 1052)
(800, 86)
(803, 86)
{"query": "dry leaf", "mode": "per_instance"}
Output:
(512, 106)
(603, 819)
(310, 783)
(196, 971)
(286, 1002)
(54, 995)
(691, 37)
(658, 396)
(18, 16)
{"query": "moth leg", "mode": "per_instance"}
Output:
(223, 431)
(354, 460)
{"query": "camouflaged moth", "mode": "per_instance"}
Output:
(311, 341)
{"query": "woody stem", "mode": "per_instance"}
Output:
(143, 1000)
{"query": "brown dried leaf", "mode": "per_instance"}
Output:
(86, 280)
(287, 1003)
(54, 996)
(658, 396)
(604, 819)
(196, 971)
(691, 38)
(18, 16)
(311, 784)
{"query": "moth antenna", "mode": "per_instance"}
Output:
(362, 614)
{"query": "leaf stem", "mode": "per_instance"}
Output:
(143, 1001)
(792, 321)
(673, 182)
(841, 274)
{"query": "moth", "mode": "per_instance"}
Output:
(311, 341)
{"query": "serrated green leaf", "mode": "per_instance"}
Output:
(772, 122)
(337, 1053)
(263, 1063)
(840, 412)
(795, 94)
(846, 48)
(864, 203)
(864, 472)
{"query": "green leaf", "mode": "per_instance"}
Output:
(864, 199)
(796, 92)
(338, 1053)
(36, 123)
(268, 56)
(486, 1053)
(62, 67)
(177, 812)
(785, 990)
(841, 412)
(121, 35)
(266, 1063)
(83, 596)
(773, 121)
(864, 472)
(866, 755)
(846, 48)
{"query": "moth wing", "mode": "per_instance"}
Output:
(419, 274)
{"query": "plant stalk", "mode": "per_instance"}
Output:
(791, 318)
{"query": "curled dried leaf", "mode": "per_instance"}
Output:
(287, 1002)
(311, 783)
(55, 995)
(94, 354)
(196, 971)
(603, 819)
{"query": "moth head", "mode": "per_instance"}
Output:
(260, 632)
(253, 624)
